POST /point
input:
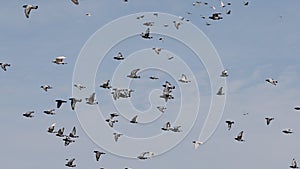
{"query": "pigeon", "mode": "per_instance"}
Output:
(215, 16)
(146, 35)
(228, 12)
(155, 14)
(73, 133)
(157, 50)
(161, 108)
(145, 155)
(111, 122)
(51, 128)
(91, 100)
(59, 103)
(272, 81)
(59, 60)
(60, 132)
(28, 114)
(75, 2)
(222, 4)
(119, 56)
(68, 140)
(79, 86)
(229, 124)
(177, 24)
(98, 154)
(117, 136)
(148, 23)
(114, 114)
(197, 143)
(153, 77)
(297, 108)
(46, 87)
(49, 112)
(287, 131)
(269, 119)
(134, 119)
(166, 95)
(133, 74)
(73, 102)
(28, 8)
(4, 65)
(207, 23)
(88, 14)
(70, 163)
(167, 127)
(168, 85)
(220, 92)
(294, 164)
(239, 137)
(170, 57)
(224, 73)
(246, 3)
(184, 79)
(140, 17)
(106, 85)
(176, 129)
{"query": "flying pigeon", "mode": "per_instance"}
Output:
(287, 131)
(148, 23)
(166, 127)
(98, 154)
(51, 128)
(224, 73)
(176, 129)
(215, 16)
(220, 91)
(106, 84)
(134, 119)
(153, 77)
(73, 133)
(28, 114)
(79, 86)
(246, 3)
(269, 119)
(297, 108)
(70, 163)
(60, 132)
(73, 102)
(294, 164)
(59, 60)
(111, 122)
(46, 87)
(184, 79)
(91, 99)
(68, 140)
(157, 50)
(133, 74)
(229, 124)
(4, 65)
(161, 108)
(272, 81)
(146, 35)
(59, 103)
(197, 143)
(177, 24)
(117, 136)
(50, 112)
(239, 137)
(119, 56)
(75, 2)
(28, 8)
(145, 155)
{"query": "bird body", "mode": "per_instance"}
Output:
(220, 91)
(239, 137)
(133, 74)
(4, 65)
(229, 124)
(119, 56)
(91, 100)
(50, 112)
(184, 79)
(197, 143)
(98, 154)
(59, 60)
(134, 119)
(46, 87)
(59, 102)
(28, 9)
(272, 81)
(70, 162)
(28, 114)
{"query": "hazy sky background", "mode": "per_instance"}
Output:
(254, 43)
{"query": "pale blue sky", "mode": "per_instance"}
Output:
(254, 43)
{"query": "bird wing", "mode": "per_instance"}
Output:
(134, 72)
(134, 118)
(92, 98)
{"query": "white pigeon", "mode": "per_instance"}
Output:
(28, 9)
(176, 129)
(157, 50)
(4, 65)
(75, 2)
(224, 73)
(220, 92)
(59, 60)
(46, 87)
(119, 56)
(184, 79)
(197, 143)
(133, 74)
(91, 100)
(222, 4)
(272, 81)
(167, 127)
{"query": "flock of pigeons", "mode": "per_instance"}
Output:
(126, 93)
